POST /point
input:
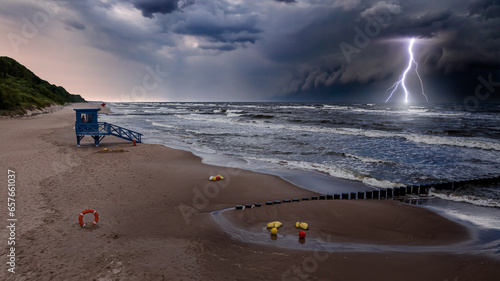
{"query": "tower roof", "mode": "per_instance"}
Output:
(86, 109)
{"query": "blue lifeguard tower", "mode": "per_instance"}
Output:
(87, 124)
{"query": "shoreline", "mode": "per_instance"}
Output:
(155, 207)
(322, 183)
(311, 180)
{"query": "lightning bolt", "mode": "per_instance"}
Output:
(402, 77)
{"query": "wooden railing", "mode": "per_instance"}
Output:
(104, 129)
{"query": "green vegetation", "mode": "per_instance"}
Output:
(21, 90)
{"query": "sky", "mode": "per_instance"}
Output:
(258, 50)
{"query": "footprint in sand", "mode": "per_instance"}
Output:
(116, 268)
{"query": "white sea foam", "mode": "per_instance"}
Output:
(417, 110)
(485, 202)
(155, 123)
(331, 170)
(341, 173)
(410, 112)
(193, 116)
(367, 159)
(209, 118)
(336, 107)
(477, 217)
(453, 141)
(234, 113)
(297, 106)
(203, 149)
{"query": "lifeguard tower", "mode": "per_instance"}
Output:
(87, 124)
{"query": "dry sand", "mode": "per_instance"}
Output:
(155, 223)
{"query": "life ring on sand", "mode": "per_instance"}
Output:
(96, 217)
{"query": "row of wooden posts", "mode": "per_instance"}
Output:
(386, 193)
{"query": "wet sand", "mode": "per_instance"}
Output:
(155, 207)
(385, 222)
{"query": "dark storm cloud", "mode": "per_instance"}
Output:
(75, 24)
(454, 42)
(424, 25)
(282, 47)
(312, 49)
(151, 7)
(310, 39)
(225, 47)
(219, 26)
(108, 28)
(303, 42)
(486, 8)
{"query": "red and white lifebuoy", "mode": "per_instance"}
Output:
(96, 217)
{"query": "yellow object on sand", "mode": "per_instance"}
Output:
(302, 225)
(216, 178)
(104, 149)
(274, 231)
(274, 224)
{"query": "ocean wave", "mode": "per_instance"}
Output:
(159, 124)
(418, 110)
(341, 173)
(412, 137)
(298, 107)
(220, 110)
(410, 111)
(367, 159)
(471, 199)
(334, 171)
(261, 116)
(234, 113)
(453, 141)
(336, 107)
(192, 116)
(203, 149)
(246, 105)
(208, 118)
(417, 138)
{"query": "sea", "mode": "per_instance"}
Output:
(340, 147)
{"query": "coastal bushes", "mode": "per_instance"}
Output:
(21, 89)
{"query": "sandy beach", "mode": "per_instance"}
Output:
(155, 205)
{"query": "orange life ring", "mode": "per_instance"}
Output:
(96, 217)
